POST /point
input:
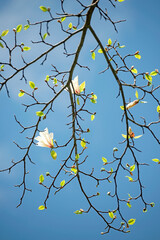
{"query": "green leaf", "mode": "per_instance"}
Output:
(152, 204)
(158, 109)
(125, 136)
(154, 73)
(44, 9)
(132, 168)
(148, 77)
(41, 178)
(55, 80)
(156, 160)
(32, 84)
(62, 19)
(122, 107)
(26, 27)
(53, 154)
(1, 45)
(130, 179)
(111, 214)
(74, 170)
(109, 41)
(136, 94)
(143, 101)
(129, 196)
(82, 86)
(92, 117)
(41, 207)
(26, 48)
(134, 70)
(45, 35)
(121, 0)
(19, 28)
(70, 25)
(121, 46)
(131, 221)
(40, 114)
(138, 56)
(129, 205)
(47, 78)
(78, 101)
(77, 156)
(78, 212)
(104, 159)
(100, 51)
(136, 137)
(4, 33)
(2, 66)
(62, 183)
(83, 143)
(20, 94)
(93, 55)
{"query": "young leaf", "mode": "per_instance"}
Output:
(62, 19)
(1, 45)
(74, 170)
(156, 160)
(136, 94)
(111, 214)
(70, 25)
(55, 80)
(138, 56)
(154, 73)
(134, 70)
(78, 212)
(62, 183)
(40, 114)
(41, 207)
(32, 84)
(109, 41)
(78, 101)
(44, 9)
(158, 109)
(41, 178)
(121, 0)
(100, 51)
(131, 221)
(26, 27)
(77, 156)
(136, 137)
(4, 33)
(83, 143)
(121, 46)
(130, 179)
(93, 55)
(82, 86)
(104, 159)
(19, 28)
(26, 48)
(122, 107)
(45, 35)
(20, 94)
(92, 117)
(129, 205)
(132, 168)
(47, 78)
(53, 154)
(148, 77)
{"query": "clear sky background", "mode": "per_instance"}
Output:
(139, 32)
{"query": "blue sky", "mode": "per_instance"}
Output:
(139, 32)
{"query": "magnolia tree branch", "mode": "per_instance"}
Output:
(76, 144)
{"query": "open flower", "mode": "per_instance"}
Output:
(45, 139)
(131, 134)
(75, 86)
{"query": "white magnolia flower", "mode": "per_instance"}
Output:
(45, 139)
(76, 86)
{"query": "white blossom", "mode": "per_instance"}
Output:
(45, 139)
